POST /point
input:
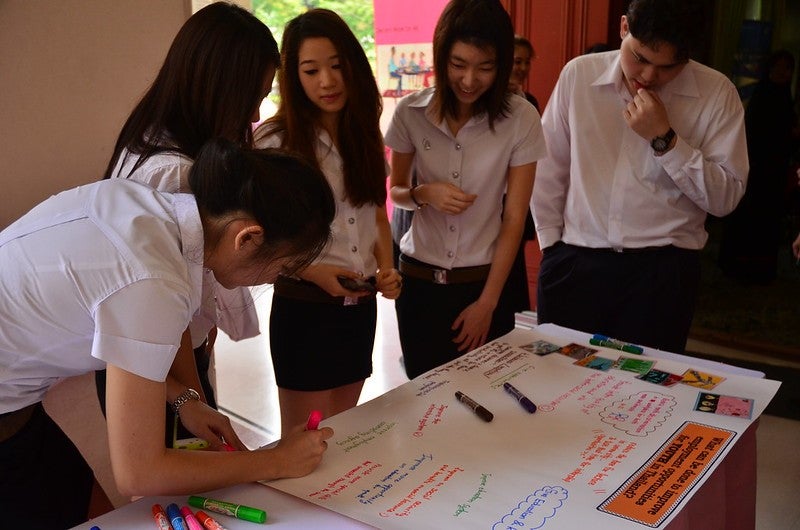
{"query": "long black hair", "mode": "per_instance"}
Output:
(210, 85)
(486, 25)
(288, 197)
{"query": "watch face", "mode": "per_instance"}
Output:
(660, 144)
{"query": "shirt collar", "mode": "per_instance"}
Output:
(191, 228)
(424, 99)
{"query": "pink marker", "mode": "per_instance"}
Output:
(313, 420)
(191, 520)
(228, 447)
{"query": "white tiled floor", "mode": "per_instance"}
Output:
(247, 392)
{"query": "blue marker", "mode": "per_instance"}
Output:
(175, 517)
(526, 403)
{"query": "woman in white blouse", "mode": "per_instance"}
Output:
(84, 288)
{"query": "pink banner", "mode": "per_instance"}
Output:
(400, 21)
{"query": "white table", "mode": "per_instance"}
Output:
(725, 500)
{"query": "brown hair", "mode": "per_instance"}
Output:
(359, 136)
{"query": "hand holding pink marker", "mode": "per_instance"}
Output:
(313, 420)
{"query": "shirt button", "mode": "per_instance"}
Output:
(455, 174)
(351, 220)
(452, 228)
(450, 254)
(354, 249)
(458, 147)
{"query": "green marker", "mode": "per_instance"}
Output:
(245, 513)
(599, 340)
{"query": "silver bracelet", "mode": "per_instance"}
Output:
(186, 395)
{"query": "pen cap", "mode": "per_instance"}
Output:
(246, 513)
(254, 515)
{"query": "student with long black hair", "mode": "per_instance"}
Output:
(84, 288)
(200, 93)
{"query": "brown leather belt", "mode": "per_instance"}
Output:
(12, 422)
(311, 292)
(423, 271)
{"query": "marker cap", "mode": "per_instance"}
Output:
(254, 515)
(246, 513)
(313, 420)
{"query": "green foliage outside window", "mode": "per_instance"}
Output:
(359, 15)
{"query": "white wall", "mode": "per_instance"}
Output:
(70, 72)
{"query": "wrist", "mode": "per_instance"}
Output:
(664, 143)
(184, 397)
(412, 192)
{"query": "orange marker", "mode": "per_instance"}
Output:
(161, 518)
(207, 521)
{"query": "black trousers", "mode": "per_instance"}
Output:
(645, 297)
(44, 481)
(425, 313)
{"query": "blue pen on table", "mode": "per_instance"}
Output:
(526, 403)
(175, 517)
(608, 342)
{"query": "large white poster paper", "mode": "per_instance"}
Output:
(604, 447)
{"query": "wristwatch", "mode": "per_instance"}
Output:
(660, 144)
(185, 396)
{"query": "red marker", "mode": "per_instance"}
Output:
(313, 420)
(161, 518)
(228, 447)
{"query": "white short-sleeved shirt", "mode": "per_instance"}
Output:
(602, 185)
(233, 310)
(82, 286)
(477, 161)
(353, 230)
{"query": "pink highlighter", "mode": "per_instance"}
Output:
(313, 420)
(191, 520)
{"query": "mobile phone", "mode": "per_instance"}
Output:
(356, 284)
(183, 439)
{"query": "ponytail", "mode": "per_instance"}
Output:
(288, 197)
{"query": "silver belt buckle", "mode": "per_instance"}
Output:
(440, 276)
(350, 300)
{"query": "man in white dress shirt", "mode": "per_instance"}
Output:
(643, 143)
